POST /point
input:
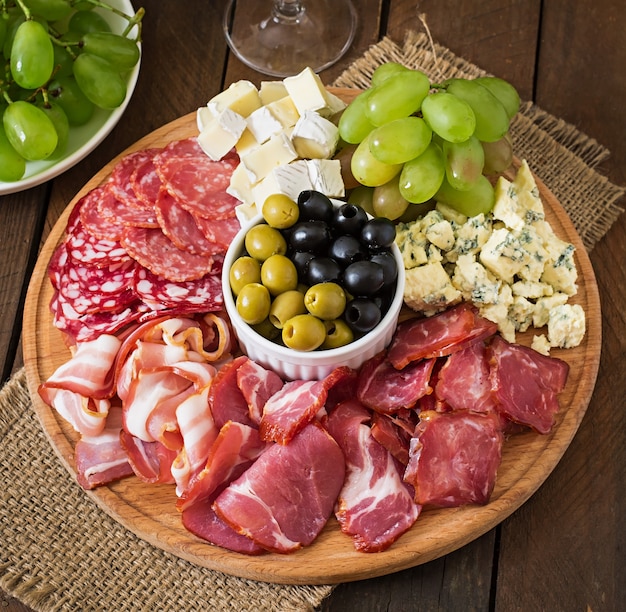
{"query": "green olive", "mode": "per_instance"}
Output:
(325, 300)
(244, 270)
(338, 333)
(285, 306)
(263, 241)
(304, 332)
(266, 329)
(279, 274)
(280, 211)
(253, 303)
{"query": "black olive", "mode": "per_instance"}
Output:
(378, 233)
(362, 315)
(313, 236)
(301, 260)
(363, 278)
(315, 206)
(388, 263)
(346, 250)
(323, 270)
(349, 219)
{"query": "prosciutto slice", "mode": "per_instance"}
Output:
(225, 397)
(375, 507)
(454, 458)
(257, 384)
(151, 461)
(526, 384)
(288, 510)
(439, 335)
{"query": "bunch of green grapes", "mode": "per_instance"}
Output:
(60, 61)
(418, 142)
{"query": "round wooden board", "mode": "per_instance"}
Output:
(149, 510)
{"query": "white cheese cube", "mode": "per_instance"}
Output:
(521, 313)
(289, 179)
(566, 326)
(334, 103)
(245, 213)
(438, 230)
(475, 282)
(241, 97)
(325, 176)
(221, 134)
(314, 136)
(285, 111)
(240, 186)
(263, 125)
(247, 142)
(544, 305)
(541, 344)
(307, 92)
(204, 116)
(270, 91)
(428, 288)
(259, 162)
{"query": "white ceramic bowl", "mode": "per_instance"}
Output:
(85, 138)
(307, 365)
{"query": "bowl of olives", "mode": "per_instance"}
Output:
(313, 284)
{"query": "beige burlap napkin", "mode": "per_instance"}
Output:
(59, 551)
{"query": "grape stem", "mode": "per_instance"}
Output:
(134, 20)
(24, 9)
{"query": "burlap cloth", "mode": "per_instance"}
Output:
(59, 551)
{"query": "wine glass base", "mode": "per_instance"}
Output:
(280, 45)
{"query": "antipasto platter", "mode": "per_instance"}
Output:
(149, 511)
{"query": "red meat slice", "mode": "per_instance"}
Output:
(439, 335)
(394, 432)
(226, 399)
(123, 170)
(257, 385)
(111, 208)
(454, 458)
(288, 510)
(218, 231)
(155, 251)
(146, 182)
(83, 247)
(375, 506)
(383, 388)
(526, 384)
(98, 225)
(151, 461)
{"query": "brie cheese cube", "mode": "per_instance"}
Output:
(241, 97)
(247, 142)
(428, 288)
(285, 111)
(288, 179)
(204, 116)
(263, 125)
(566, 326)
(270, 91)
(307, 92)
(240, 186)
(314, 137)
(325, 176)
(221, 134)
(259, 162)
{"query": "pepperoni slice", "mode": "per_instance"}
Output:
(155, 251)
(95, 223)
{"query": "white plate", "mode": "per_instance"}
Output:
(85, 138)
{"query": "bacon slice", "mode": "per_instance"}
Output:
(439, 335)
(375, 507)
(385, 389)
(526, 384)
(288, 510)
(454, 458)
(151, 461)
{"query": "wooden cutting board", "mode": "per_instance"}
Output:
(149, 510)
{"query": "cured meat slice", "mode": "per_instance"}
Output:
(526, 383)
(185, 147)
(202, 295)
(155, 251)
(95, 223)
(288, 510)
(218, 231)
(145, 182)
(199, 184)
(439, 335)
(257, 385)
(383, 388)
(181, 228)
(87, 249)
(296, 404)
(120, 179)
(111, 208)
(394, 432)
(225, 397)
(375, 506)
(463, 381)
(454, 458)
(151, 461)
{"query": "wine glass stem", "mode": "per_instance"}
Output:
(287, 9)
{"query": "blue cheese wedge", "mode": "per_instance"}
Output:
(566, 326)
(428, 288)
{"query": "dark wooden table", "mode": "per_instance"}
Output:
(565, 549)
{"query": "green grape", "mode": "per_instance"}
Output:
(50, 10)
(63, 62)
(32, 55)
(478, 199)
(448, 116)
(498, 155)
(29, 130)
(400, 140)
(398, 96)
(492, 121)
(69, 96)
(387, 200)
(13, 24)
(87, 21)
(61, 124)
(12, 164)
(354, 125)
(368, 170)
(362, 196)
(99, 81)
(504, 91)
(421, 177)
(384, 71)
(464, 162)
(122, 53)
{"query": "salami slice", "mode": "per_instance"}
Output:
(123, 170)
(158, 293)
(117, 211)
(219, 231)
(85, 248)
(155, 251)
(95, 223)
(146, 183)
(186, 147)
(181, 228)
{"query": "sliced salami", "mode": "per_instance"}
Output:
(122, 172)
(181, 228)
(95, 223)
(146, 183)
(187, 147)
(155, 251)
(219, 231)
(85, 248)
(117, 211)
